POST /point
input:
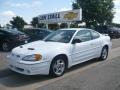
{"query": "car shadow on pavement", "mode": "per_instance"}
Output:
(6, 72)
(82, 65)
(17, 80)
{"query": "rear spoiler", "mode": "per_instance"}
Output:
(107, 35)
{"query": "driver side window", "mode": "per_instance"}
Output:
(83, 35)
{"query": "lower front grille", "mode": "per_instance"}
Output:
(19, 69)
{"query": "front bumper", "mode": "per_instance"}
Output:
(41, 68)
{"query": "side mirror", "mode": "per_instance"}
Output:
(76, 41)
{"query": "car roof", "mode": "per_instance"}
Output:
(11, 31)
(39, 29)
(77, 29)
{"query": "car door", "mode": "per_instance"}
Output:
(82, 51)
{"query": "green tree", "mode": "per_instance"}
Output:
(18, 22)
(36, 24)
(95, 12)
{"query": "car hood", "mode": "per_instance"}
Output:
(38, 47)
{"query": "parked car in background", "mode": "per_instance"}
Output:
(37, 33)
(113, 32)
(59, 51)
(10, 38)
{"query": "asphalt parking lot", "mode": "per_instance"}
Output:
(91, 75)
(115, 43)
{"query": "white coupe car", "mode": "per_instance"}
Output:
(59, 51)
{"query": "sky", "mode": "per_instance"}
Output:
(31, 8)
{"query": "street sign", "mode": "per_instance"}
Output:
(61, 17)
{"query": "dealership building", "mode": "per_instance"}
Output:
(61, 17)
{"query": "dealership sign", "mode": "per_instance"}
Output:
(60, 17)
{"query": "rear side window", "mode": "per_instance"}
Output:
(29, 31)
(83, 35)
(95, 35)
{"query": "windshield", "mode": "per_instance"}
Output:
(63, 36)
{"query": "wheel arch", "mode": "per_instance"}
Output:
(107, 46)
(60, 56)
(64, 56)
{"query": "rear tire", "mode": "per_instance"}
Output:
(104, 53)
(58, 67)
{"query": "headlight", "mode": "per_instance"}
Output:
(35, 57)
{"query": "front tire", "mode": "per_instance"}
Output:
(104, 53)
(58, 67)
